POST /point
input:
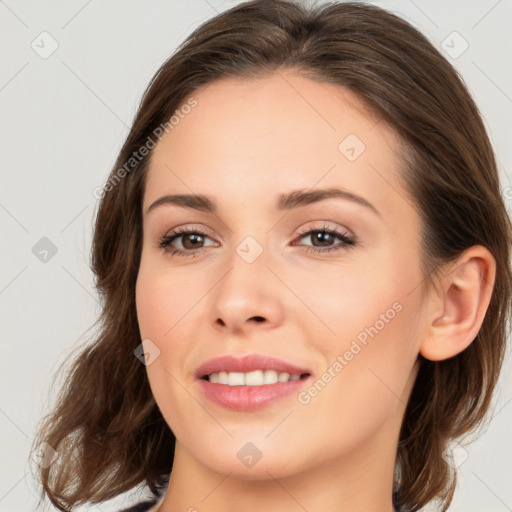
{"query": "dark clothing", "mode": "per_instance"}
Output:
(149, 502)
(141, 507)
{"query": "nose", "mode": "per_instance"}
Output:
(248, 296)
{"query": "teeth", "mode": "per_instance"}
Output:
(236, 379)
(254, 378)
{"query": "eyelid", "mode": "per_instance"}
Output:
(185, 228)
(325, 225)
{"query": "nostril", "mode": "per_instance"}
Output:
(259, 318)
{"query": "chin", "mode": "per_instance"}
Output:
(245, 460)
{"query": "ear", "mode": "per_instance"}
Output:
(457, 309)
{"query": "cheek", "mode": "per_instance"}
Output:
(153, 306)
(360, 298)
(365, 384)
(159, 308)
(371, 337)
(161, 299)
(168, 305)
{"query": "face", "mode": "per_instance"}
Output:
(327, 285)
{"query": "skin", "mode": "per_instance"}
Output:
(245, 143)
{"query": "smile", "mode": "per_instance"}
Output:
(254, 378)
(250, 382)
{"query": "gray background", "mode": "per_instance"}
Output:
(63, 120)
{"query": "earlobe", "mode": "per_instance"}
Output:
(457, 309)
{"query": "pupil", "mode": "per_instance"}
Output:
(323, 237)
(188, 239)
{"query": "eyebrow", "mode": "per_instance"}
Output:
(288, 201)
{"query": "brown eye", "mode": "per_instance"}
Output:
(325, 237)
(191, 242)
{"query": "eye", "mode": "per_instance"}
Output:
(191, 241)
(325, 236)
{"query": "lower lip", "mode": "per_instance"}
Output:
(250, 398)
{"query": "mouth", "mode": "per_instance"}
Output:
(250, 383)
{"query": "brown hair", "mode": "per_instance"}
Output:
(107, 428)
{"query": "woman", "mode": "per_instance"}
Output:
(304, 259)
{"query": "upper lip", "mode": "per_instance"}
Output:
(247, 363)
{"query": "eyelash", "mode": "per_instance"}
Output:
(347, 241)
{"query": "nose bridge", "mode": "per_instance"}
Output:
(247, 289)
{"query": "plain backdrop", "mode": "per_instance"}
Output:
(71, 77)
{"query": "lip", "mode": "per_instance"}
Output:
(247, 364)
(249, 398)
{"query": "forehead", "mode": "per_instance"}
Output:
(272, 134)
(282, 107)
